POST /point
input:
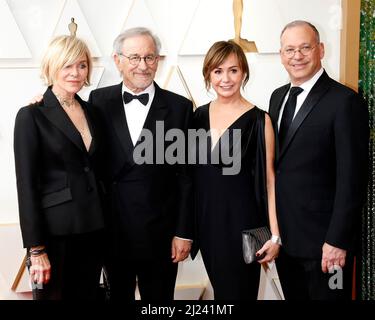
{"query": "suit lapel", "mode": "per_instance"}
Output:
(318, 90)
(276, 106)
(55, 114)
(93, 145)
(119, 121)
(274, 114)
(158, 111)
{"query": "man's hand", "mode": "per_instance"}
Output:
(332, 256)
(40, 270)
(180, 249)
(36, 99)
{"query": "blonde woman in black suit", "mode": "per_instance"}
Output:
(56, 146)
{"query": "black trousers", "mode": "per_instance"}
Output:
(234, 280)
(303, 279)
(156, 278)
(76, 263)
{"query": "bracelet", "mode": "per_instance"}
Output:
(37, 252)
(276, 239)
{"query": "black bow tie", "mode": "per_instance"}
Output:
(143, 98)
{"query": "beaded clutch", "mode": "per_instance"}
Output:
(252, 241)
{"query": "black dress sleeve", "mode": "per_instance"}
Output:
(260, 171)
(27, 163)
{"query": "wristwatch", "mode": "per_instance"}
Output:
(276, 239)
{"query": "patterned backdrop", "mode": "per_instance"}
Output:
(187, 28)
(366, 87)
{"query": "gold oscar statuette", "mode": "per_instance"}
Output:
(246, 45)
(72, 28)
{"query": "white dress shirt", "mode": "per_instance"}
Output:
(136, 112)
(306, 86)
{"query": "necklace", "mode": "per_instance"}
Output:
(83, 129)
(65, 102)
(85, 134)
(77, 117)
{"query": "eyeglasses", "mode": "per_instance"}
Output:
(305, 50)
(135, 60)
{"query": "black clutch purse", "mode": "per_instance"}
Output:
(252, 241)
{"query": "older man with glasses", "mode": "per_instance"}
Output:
(149, 205)
(321, 171)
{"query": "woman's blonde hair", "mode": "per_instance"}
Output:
(216, 55)
(61, 51)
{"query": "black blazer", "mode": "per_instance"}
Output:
(150, 203)
(57, 190)
(321, 171)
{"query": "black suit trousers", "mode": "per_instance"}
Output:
(303, 279)
(76, 264)
(156, 278)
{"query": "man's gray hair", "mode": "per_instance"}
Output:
(138, 31)
(297, 23)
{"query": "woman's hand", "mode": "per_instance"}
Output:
(40, 269)
(271, 251)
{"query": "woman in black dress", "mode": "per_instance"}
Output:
(230, 198)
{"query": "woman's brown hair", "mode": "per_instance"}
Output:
(216, 55)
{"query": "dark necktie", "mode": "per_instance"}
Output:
(143, 98)
(288, 113)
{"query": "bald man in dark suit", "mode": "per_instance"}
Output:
(321, 171)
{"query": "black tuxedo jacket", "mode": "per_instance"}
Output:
(150, 203)
(57, 190)
(321, 171)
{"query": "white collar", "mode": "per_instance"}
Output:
(150, 90)
(307, 85)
